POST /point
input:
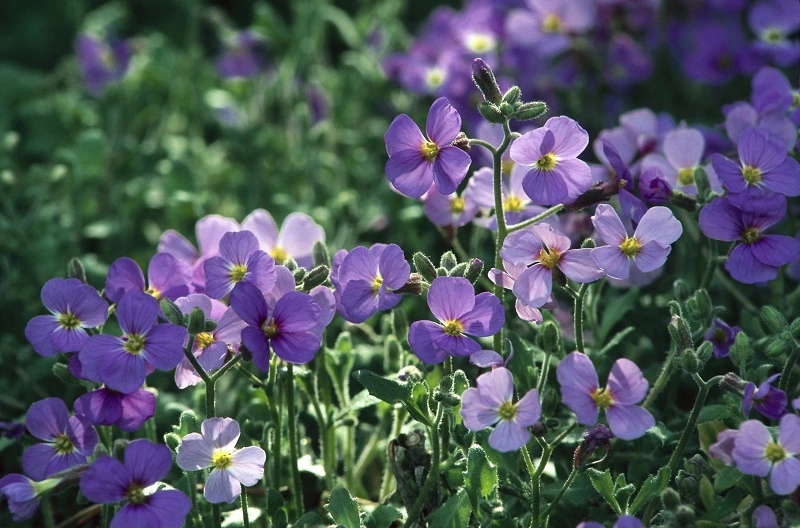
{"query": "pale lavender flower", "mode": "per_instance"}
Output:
(295, 240)
(757, 453)
(683, 151)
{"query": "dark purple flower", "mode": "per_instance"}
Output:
(756, 453)
(122, 362)
(581, 392)
(101, 62)
(627, 62)
(768, 400)
(654, 188)
(757, 256)
(105, 406)
(416, 162)
(109, 481)
(462, 313)
(597, 436)
(23, 494)
(322, 295)
(289, 328)
(772, 91)
(723, 51)
(12, 430)
(167, 277)
(243, 56)
(721, 337)
(67, 440)
(74, 306)
(295, 240)
(240, 260)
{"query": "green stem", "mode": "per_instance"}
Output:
(500, 216)
(484, 144)
(561, 492)
(295, 473)
(225, 368)
(791, 361)
(542, 381)
(663, 378)
(536, 474)
(433, 475)
(538, 218)
(216, 513)
(47, 512)
(192, 483)
(245, 513)
(106, 512)
(397, 426)
(711, 264)
(578, 317)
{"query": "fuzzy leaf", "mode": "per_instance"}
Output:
(652, 487)
(454, 513)
(480, 477)
(382, 516)
(343, 508)
(604, 485)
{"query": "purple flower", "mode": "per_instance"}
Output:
(547, 25)
(647, 249)
(243, 56)
(764, 517)
(23, 494)
(581, 392)
(629, 63)
(489, 358)
(517, 206)
(646, 128)
(507, 279)
(231, 468)
(122, 362)
(108, 481)
(763, 167)
(366, 280)
(67, 440)
(597, 436)
(768, 400)
(772, 91)
(322, 295)
(449, 210)
(757, 256)
(548, 252)
(105, 406)
(453, 301)
(741, 117)
(12, 430)
(74, 306)
(416, 162)
(295, 240)
(492, 402)
(721, 336)
(626, 521)
(683, 152)
(653, 187)
(208, 230)
(756, 453)
(166, 276)
(773, 22)
(724, 51)
(240, 260)
(289, 328)
(101, 62)
(722, 449)
(555, 175)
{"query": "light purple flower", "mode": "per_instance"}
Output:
(547, 251)
(741, 117)
(109, 481)
(547, 26)
(647, 249)
(74, 306)
(647, 128)
(756, 453)
(416, 162)
(122, 362)
(507, 278)
(722, 449)
(581, 392)
(764, 517)
(492, 402)
(462, 313)
(105, 406)
(240, 260)
(208, 231)
(449, 210)
(683, 151)
(774, 22)
(517, 206)
(626, 521)
(23, 494)
(67, 440)
(322, 295)
(295, 240)
(215, 448)
(721, 336)
(555, 175)
(167, 277)
(768, 400)
(101, 62)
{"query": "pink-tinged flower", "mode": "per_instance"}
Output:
(722, 449)
(105, 406)
(240, 260)
(74, 306)
(647, 249)
(461, 313)
(23, 494)
(492, 402)
(547, 251)
(167, 277)
(756, 453)
(507, 279)
(215, 447)
(683, 151)
(108, 481)
(581, 392)
(768, 400)
(295, 240)
(122, 363)
(68, 440)
(555, 175)
(416, 162)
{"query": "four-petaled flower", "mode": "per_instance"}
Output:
(166, 277)
(240, 260)
(768, 400)
(756, 453)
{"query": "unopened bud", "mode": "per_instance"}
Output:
(551, 337)
(171, 312)
(549, 401)
(197, 321)
(704, 351)
(210, 325)
(538, 429)
(461, 142)
(448, 260)
(507, 110)
(699, 306)
(474, 270)
(409, 373)
(316, 277)
(741, 352)
(683, 200)
(484, 79)
(188, 423)
(702, 183)
(321, 255)
(459, 270)
(680, 333)
(512, 95)
(424, 266)
(291, 264)
(685, 515)
(173, 441)
(689, 361)
(732, 383)
(773, 319)
(299, 274)
(589, 243)
(413, 286)
(795, 328)
(670, 499)
(528, 111)
(779, 345)
(75, 270)
(680, 289)
(491, 113)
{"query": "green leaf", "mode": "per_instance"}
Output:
(362, 400)
(652, 487)
(714, 412)
(310, 519)
(454, 513)
(480, 477)
(659, 432)
(382, 516)
(343, 508)
(707, 494)
(615, 310)
(385, 389)
(616, 340)
(726, 478)
(604, 485)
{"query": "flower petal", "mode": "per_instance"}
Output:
(776, 250)
(249, 304)
(105, 481)
(422, 336)
(170, 507)
(509, 436)
(449, 298)
(608, 225)
(194, 453)
(486, 318)
(627, 384)
(658, 225)
(403, 135)
(163, 347)
(748, 451)
(578, 380)
(137, 312)
(629, 422)
(545, 187)
(221, 487)
(743, 266)
(443, 123)
(146, 462)
(38, 332)
(247, 465)
(578, 265)
(683, 147)
(785, 476)
(652, 256)
(296, 347)
(534, 286)
(47, 419)
(450, 168)
(612, 261)
(221, 433)
(529, 410)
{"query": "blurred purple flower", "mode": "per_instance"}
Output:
(101, 62)
(240, 260)
(295, 240)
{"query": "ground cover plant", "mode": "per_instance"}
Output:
(511, 263)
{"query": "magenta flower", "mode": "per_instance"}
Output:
(295, 240)
(546, 250)
(231, 468)
(122, 363)
(555, 175)
(647, 249)
(416, 162)
(581, 392)
(683, 151)
(74, 306)
(768, 400)
(105, 406)
(109, 481)
(67, 440)
(756, 453)
(492, 402)
(461, 313)
(240, 260)
(289, 328)
(167, 277)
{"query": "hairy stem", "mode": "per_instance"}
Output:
(578, 317)
(433, 474)
(294, 472)
(791, 361)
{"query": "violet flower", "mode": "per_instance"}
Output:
(106, 406)
(243, 56)
(683, 151)
(768, 400)
(581, 392)
(167, 277)
(721, 336)
(517, 206)
(547, 26)
(764, 517)
(492, 402)
(449, 210)
(756, 453)
(626, 521)
(240, 260)
(23, 494)
(722, 449)
(416, 162)
(461, 313)
(101, 62)
(507, 278)
(295, 240)
(322, 295)
(774, 22)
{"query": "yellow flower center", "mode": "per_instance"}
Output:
(751, 174)
(630, 246)
(479, 42)
(376, 284)
(750, 235)
(602, 398)
(134, 344)
(457, 205)
(63, 445)
(430, 150)
(686, 176)
(772, 35)
(204, 339)
(434, 77)
(453, 327)
(279, 255)
(155, 292)
(774, 452)
(795, 100)
(507, 411)
(551, 23)
(549, 259)
(68, 321)
(135, 494)
(546, 162)
(513, 204)
(270, 328)
(238, 271)
(221, 460)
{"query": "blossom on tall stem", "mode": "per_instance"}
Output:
(416, 161)
(517, 206)
(240, 260)
(757, 453)
(295, 240)
(167, 277)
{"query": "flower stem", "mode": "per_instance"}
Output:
(538, 218)
(397, 426)
(499, 214)
(578, 317)
(47, 512)
(245, 513)
(663, 378)
(536, 474)
(484, 144)
(433, 474)
(791, 361)
(564, 488)
(295, 473)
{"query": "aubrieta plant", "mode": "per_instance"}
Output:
(487, 409)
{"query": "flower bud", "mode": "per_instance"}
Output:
(75, 270)
(491, 113)
(680, 333)
(451, 400)
(188, 423)
(424, 266)
(413, 286)
(549, 401)
(316, 277)
(459, 269)
(291, 264)
(392, 353)
(695, 466)
(461, 141)
(689, 361)
(197, 321)
(589, 243)
(686, 483)
(173, 441)
(670, 499)
(474, 270)
(732, 383)
(683, 200)
(685, 515)
(704, 351)
(171, 312)
(773, 319)
(61, 371)
(795, 328)
(507, 110)
(779, 345)
(528, 111)
(551, 337)
(299, 274)
(321, 255)
(512, 95)
(409, 373)
(702, 183)
(740, 351)
(210, 325)
(538, 429)
(680, 289)
(448, 260)
(498, 513)
(485, 81)
(699, 306)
